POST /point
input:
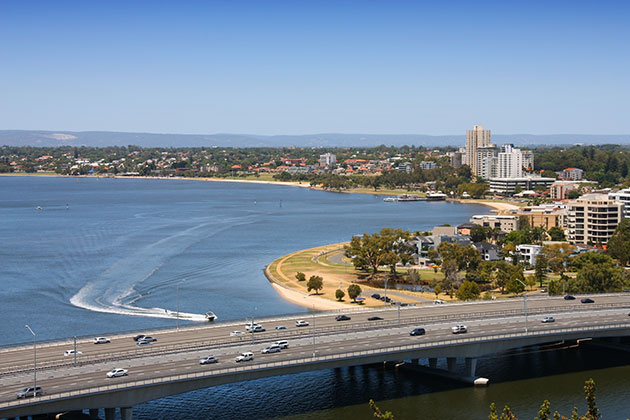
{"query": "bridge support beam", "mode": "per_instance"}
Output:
(126, 413)
(94, 413)
(433, 362)
(450, 363)
(110, 413)
(471, 365)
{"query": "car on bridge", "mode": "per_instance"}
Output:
(438, 302)
(138, 337)
(208, 360)
(115, 373)
(342, 318)
(548, 319)
(375, 318)
(71, 352)
(569, 297)
(101, 340)
(284, 344)
(281, 327)
(459, 329)
(235, 333)
(30, 391)
(587, 300)
(255, 328)
(274, 348)
(144, 343)
(301, 323)
(417, 331)
(244, 357)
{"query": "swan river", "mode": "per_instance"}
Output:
(88, 256)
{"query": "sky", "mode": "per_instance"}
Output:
(301, 67)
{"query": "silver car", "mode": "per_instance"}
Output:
(30, 392)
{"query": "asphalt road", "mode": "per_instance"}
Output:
(178, 352)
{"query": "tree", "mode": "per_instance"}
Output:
(541, 267)
(354, 290)
(478, 234)
(379, 414)
(556, 234)
(437, 290)
(387, 247)
(619, 244)
(339, 294)
(300, 276)
(469, 290)
(315, 283)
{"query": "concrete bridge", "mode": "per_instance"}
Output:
(172, 366)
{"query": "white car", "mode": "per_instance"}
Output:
(274, 348)
(245, 357)
(101, 340)
(114, 373)
(235, 333)
(208, 360)
(548, 319)
(438, 301)
(284, 344)
(71, 352)
(301, 323)
(459, 329)
(255, 328)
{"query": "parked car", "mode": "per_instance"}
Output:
(208, 360)
(438, 302)
(587, 300)
(569, 297)
(342, 318)
(281, 327)
(376, 296)
(235, 333)
(417, 331)
(71, 352)
(245, 357)
(283, 344)
(375, 318)
(459, 329)
(30, 392)
(274, 348)
(138, 337)
(301, 323)
(101, 340)
(548, 319)
(114, 373)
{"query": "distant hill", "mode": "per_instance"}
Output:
(106, 138)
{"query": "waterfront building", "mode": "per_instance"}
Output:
(574, 174)
(506, 185)
(593, 219)
(505, 223)
(475, 138)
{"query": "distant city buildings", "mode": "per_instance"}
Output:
(476, 138)
(574, 174)
(327, 159)
(427, 165)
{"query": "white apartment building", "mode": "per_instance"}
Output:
(527, 254)
(510, 162)
(622, 196)
(327, 159)
(487, 162)
(593, 219)
(475, 138)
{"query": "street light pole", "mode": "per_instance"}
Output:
(524, 303)
(34, 362)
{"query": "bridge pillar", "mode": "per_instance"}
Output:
(471, 365)
(450, 363)
(433, 362)
(126, 413)
(110, 413)
(94, 413)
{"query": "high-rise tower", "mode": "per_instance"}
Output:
(475, 138)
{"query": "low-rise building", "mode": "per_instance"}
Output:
(574, 174)
(505, 223)
(506, 186)
(546, 215)
(527, 254)
(428, 165)
(488, 251)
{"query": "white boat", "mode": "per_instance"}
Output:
(390, 199)
(436, 196)
(210, 316)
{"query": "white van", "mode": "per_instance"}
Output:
(283, 344)
(245, 357)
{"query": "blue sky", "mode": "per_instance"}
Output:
(298, 67)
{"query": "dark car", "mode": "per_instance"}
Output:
(342, 318)
(374, 318)
(587, 300)
(417, 331)
(385, 299)
(139, 337)
(569, 297)
(376, 296)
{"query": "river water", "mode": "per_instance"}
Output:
(117, 254)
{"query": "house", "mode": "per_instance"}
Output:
(527, 253)
(488, 251)
(465, 228)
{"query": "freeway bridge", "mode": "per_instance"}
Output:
(171, 365)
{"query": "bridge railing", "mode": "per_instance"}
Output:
(314, 360)
(303, 332)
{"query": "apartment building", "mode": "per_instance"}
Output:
(505, 223)
(593, 219)
(475, 138)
